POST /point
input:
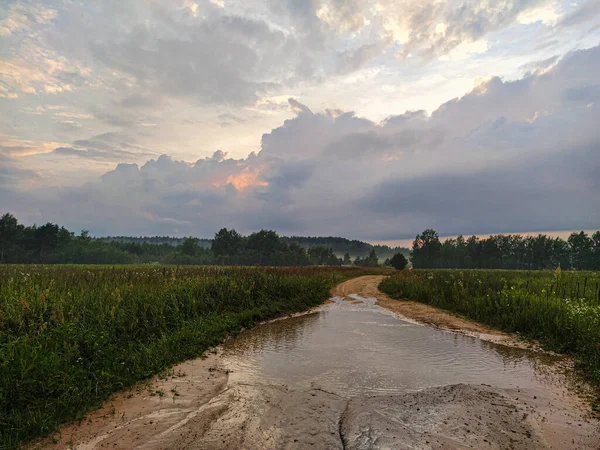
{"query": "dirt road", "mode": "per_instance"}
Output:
(199, 404)
(367, 287)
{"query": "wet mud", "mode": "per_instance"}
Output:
(350, 375)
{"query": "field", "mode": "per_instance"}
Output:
(72, 335)
(559, 309)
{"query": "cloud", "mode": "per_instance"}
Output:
(20, 148)
(216, 58)
(521, 195)
(299, 107)
(20, 16)
(166, 63)
(515, 146)
(428, 29)
(540, 66)
(352, 60)
(145, 52)
(465, 24)
(12, 174)
(586, 11)
(227, 119)
(114, 146)
(91, 153)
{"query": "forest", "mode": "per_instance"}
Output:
(339, 245)
(580, 252)
(54, 244)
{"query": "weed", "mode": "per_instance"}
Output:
(70, 336)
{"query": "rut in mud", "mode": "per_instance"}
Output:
(352, 375)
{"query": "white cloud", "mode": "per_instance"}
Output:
(73, 115)
(466, 49)
(546, 14)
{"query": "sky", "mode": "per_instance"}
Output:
(371, 120)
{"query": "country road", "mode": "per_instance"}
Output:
(360, 372)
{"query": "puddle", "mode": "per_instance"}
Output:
(382, 382)
(351, 349)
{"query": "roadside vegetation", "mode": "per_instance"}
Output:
(72, 335)
(559, 309)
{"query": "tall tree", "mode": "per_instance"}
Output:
(265, 242)
(426, 250)
(46, 240)
(190, 246)
(596, 250)
(227, 242)
(9, 228)
(399, 261)
(371, 260)
(581, 250)
(347, 259)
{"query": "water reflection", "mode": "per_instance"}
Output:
(358, 348)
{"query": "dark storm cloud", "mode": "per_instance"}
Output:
(518, 197)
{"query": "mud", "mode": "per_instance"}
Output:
(350, 375)
(428, 419)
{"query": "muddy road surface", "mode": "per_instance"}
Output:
(361, 372)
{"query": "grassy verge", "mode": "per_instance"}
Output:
(560, 310)
(72, 335)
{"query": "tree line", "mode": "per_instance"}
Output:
(54, 244)
(580, 251)
(339, 245)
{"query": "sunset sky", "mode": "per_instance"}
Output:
(365, 119)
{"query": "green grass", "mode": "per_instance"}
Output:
(560, 310)
(72, 335)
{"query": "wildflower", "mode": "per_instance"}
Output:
(23, 303)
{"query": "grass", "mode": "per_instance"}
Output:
(72, 335)
(559, 309)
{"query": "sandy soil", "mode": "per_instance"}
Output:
(150, 415)
(197, 406)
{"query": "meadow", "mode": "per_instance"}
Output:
(559, 309)
(72, 335)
